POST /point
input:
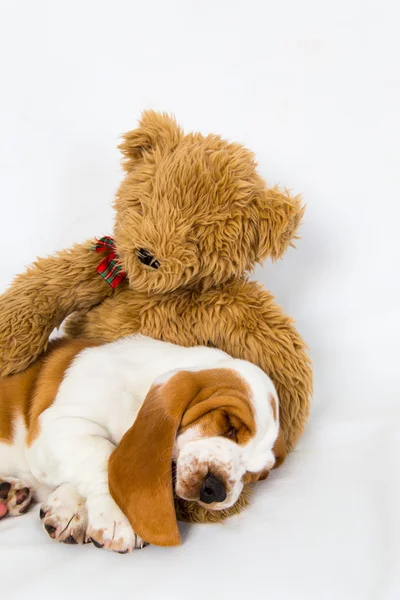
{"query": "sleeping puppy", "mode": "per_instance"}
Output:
(92, 431)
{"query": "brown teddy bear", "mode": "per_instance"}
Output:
(193, 217)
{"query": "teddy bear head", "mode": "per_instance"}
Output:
(192, 211)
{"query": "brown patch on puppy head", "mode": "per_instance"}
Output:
(197, 206)
(140, 468)
(211, 416)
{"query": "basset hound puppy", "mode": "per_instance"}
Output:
(92, 431)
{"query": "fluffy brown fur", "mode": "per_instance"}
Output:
(198, 205)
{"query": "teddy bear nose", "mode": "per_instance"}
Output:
(212, 490)
(147, 258)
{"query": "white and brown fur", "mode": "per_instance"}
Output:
(89, 419)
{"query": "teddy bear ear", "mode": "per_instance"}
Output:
(155, 130)
(280, 216)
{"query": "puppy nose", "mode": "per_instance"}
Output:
(147, 258)
(212, 490)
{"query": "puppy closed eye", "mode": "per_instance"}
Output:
(231, 434)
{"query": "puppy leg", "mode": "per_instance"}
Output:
(64, 515)
(79, 451)
(15, 497)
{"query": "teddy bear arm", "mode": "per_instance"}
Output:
(40, 299)
(253, 327)
(118, 316)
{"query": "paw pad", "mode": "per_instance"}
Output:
(15, 497)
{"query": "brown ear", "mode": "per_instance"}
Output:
(155, 130)
(280, 216)
(139, 469)
(279, 450)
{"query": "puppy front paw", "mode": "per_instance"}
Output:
(64, 515)
(109, 528)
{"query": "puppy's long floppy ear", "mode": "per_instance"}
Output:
(140, 468)
(279, 450)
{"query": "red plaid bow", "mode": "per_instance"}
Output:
(109, 268)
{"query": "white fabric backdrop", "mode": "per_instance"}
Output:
(314, 89)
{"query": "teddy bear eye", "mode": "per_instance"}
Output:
(147, 258)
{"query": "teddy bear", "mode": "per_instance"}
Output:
(193, 217)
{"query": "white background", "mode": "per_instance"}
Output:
(313, 88)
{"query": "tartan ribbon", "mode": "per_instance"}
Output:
(110, 268)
